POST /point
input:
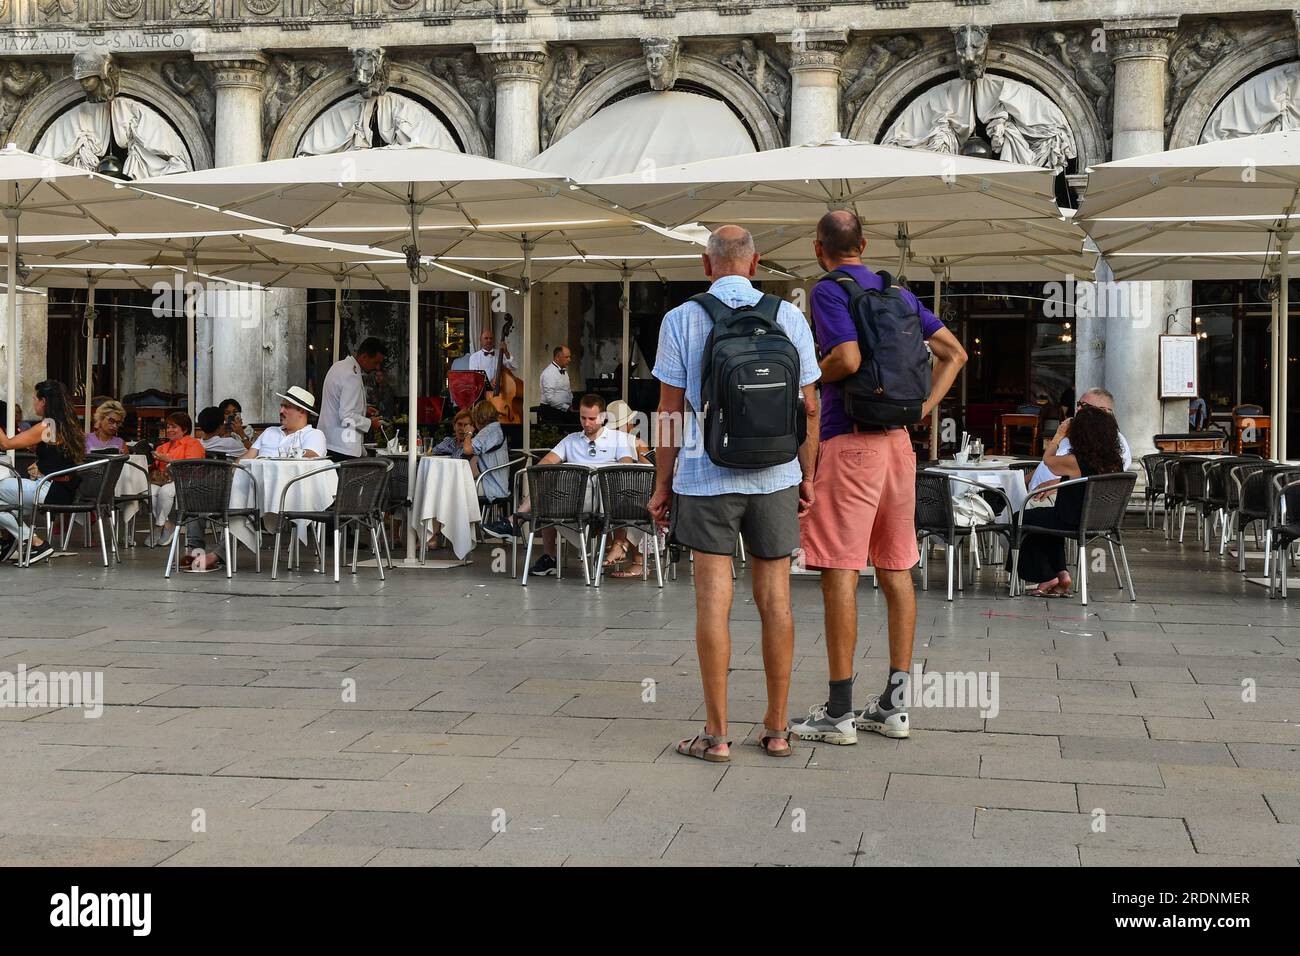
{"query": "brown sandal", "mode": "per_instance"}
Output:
(700, 745)
(769, 734)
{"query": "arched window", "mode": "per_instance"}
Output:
(123, 135)
(358, 122)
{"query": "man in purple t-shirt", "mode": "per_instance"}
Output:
(864, 493)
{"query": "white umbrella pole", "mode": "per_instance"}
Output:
(627, 328)
(90, 348)
(934, 412)
(191, 307)
(11, 307)
(528, 341)
(1284, 322)
(338, 318)
(1275, 337)
(412, 407)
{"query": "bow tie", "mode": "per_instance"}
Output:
(489, 352)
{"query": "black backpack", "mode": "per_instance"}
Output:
(892, 384)
(749, 388)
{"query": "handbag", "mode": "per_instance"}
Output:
(970, 509)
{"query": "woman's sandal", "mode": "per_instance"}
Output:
(634, 570)
(1040, 593)
(700, 745)
(769, 734)
(615, 557)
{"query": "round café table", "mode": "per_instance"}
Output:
(272, 476)
(445, 500)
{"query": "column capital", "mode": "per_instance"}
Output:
(514, 60)
(236, 70)
(1140, 37)
(815, 49)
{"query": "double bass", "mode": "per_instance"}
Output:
(507, 391)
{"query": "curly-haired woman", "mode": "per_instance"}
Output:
(1094, 450)
(58, 443)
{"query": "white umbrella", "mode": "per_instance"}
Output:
(46, 198)
(400, 191)
(799, 183)
(1229, 196)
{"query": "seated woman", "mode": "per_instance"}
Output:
(214, 432)
(59, 444)
(622, 418)
(104, 426)
(454, 444)
(485, 447)
(180, 444)
(1094, 450)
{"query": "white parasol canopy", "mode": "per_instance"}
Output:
(46, 198)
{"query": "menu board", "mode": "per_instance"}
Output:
(1178, 366)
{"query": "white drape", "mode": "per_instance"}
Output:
(401, 120)
(1267, 103)
(1024, 126)
(940, 120)
(80, 137)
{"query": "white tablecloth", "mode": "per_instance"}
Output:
(314, 494)
(1005, 479)
(444, 499)
(133, 482)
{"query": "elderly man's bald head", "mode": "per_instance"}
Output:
(730, 252)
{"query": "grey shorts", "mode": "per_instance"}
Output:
(709, 524)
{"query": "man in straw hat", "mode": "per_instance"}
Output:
(294, 437)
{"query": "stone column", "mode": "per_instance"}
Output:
(258, 338)
(517, 74)
(814, 84)
(1134, 318)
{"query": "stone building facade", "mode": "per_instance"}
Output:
(1065, 83)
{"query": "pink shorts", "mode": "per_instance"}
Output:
(864, 503)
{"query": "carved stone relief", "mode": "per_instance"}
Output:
(1190, 56)
(768, 77)
(285, 81)
(20, 80)
(972, 49)
(882, 54)
(569, 70)
(661, 61)
(466, 74)
(1087, 61)
(190, 81)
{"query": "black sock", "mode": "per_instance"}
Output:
(841, 699)
(896, 690)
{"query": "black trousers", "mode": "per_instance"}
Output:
(339, 456)
(1042, 557)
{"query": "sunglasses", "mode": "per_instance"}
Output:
(591, 448)
(1100, 408)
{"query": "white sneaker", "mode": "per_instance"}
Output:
(889, 723)
(830, 730)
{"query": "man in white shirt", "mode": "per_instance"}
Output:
(556, 390)
(1098, 398)
(294, 437)
(345, 418)
(486, 359)
(594, 445)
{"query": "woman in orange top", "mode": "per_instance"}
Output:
(180, 444)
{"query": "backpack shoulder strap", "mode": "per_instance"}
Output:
(769, 307)
(715, 307)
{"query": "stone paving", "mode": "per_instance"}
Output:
(498, 725)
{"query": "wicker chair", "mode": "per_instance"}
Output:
(1105, 501)
(358, 503)
(557, 499)
(94, 496)
(1237, 476)
(1154, 467)
(936, 518)
(625, 492)
(203, 489)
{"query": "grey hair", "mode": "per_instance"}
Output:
(721, 250)
(1102, 392)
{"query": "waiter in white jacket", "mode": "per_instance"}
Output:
(345, 418)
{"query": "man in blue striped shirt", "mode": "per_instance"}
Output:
(710, 505)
